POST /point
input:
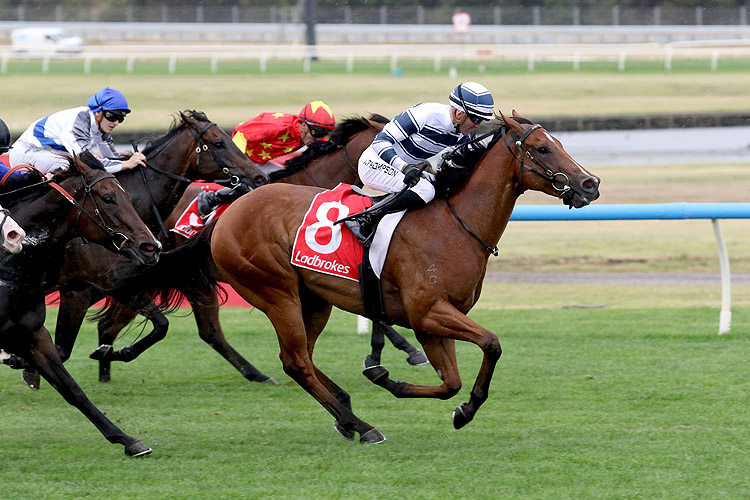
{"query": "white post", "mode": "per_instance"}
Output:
(577, 61)
(4, 66)
(436, 62)
(172, 64)
(621, 61)
(87, 65)
(725, 317)
(214, 64)
(350, 62)
(715, 60)
(263, 63)
(668, 59)
(363, 325)
(394, 61)
(45, 64)
(130, 65)
(530, 62)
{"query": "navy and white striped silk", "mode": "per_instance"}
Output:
(416, 134)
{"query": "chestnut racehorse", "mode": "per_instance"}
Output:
(431, 278)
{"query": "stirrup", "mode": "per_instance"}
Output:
(357, 226)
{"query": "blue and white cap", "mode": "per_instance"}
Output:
(474, 99)
(108, 99)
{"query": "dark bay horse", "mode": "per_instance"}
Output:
(432, 275)
(324, 164)
(193, 148)
(86, 202)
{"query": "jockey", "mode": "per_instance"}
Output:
(268, 136)
(422, 131)
(73, 131)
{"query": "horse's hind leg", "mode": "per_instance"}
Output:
(316, 313)
(109, 327)
(39, 350)
(209, 329)
(381, 331)
(414, 357)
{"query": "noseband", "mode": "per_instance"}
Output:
(524, 153)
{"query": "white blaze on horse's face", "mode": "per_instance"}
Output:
(12, 234)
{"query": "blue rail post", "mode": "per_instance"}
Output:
(655, 211)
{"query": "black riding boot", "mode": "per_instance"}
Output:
(363, 224)
(21, 179)
(209, 200)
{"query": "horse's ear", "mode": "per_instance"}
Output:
(519, 117)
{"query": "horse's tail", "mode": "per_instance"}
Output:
(188, 271)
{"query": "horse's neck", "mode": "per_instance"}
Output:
(47, 233)
(165, 190)
(486, 200)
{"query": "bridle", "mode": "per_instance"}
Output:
(201, 147)
(524, 153)
(119, 240)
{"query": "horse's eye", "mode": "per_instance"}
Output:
(219, 145)
(109, 199)
(543, 150)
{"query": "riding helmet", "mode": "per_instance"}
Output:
(474, 99)
(108, 99)
(4, 137)
(318, 117)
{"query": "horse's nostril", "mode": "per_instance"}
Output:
(149, 248)
(591, 184)
(260, 180)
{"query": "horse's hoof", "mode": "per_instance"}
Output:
(137, 449)
(417, 358)
(460, 417)
(378, 375)
(373, 436)
(369, 362)
(103, 352)
(348, 434)
(32, 379)
(269, 381)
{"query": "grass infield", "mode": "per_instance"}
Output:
(585, 404)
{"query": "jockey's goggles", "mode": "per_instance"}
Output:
(317, 131)
(476, 120)
(114, 116)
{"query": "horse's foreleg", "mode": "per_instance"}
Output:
(444, 320)
(442, 355)
(110, 326)
(40, 352)
(209, 329)
(72, 311)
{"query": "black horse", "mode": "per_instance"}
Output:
(194, 148)
(84, 201)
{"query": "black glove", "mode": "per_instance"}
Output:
(412, 175)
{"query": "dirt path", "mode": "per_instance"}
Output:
(616, 278)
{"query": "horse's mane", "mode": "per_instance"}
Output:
(179, 123)
(459, 164)
(455, 172)
(338, 138)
